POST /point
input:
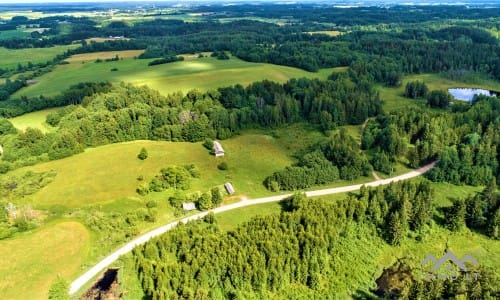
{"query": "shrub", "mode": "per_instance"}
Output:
(143, 154)
(143, 189)
(151, 204)
(222, 166)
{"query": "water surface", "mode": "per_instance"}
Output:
(467, 94)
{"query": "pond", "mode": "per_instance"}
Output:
(467, 94)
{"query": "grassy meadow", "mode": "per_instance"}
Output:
(34, 120)
(31, 262)
(110, 172)
(204, 73)
(10, 58)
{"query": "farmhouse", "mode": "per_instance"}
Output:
(188, 206)
(219, 151)
(229, 188)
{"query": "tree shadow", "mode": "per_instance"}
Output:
(364, 295)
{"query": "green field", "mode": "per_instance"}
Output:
(394, 97)
(10, 58)
(31, 262)
(34, 120)
(110, 172)
(205, 73)
(13, 34)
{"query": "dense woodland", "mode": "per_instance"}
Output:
(100, 114)
(298, 253)
(310, 249)
(465, 142)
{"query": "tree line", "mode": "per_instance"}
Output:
(464, 141)
(338, 157)
(100, 114)
(307, 250)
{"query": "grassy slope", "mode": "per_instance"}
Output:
(394, 97)
(34, 120)
(31, 262)
(110, 172)
(9, 58)
(205, 73)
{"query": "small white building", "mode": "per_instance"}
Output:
(219, 151)
(229, 188)
(188, 206)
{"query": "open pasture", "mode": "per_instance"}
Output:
(10, 58)
(30, 263)
(204, 73)
(34, 120)
(109, 172)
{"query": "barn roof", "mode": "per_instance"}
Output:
(189, 206)
(218, 147)
(229, 188)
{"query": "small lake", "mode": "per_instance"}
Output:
(466, 94)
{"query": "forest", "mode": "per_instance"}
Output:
(99, 114)
(299, 252)
(349, 121)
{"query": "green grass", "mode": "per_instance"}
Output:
(109, 172)
(10, 58)
(13, 34)
(443, 191)
(229, 220)
(31, 262)
(205, 73)
(394, 97)
(34, 120)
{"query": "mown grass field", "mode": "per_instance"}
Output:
(204, 73)
(10, 58)
(109, 172)
(34, 120)
(30, 263)
(394, 97)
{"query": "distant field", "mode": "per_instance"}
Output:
(327, 32)
(109, 172)
(394, 97)
(30, 263)
(13, 34)
(205, 73)
(101, 40)
(9, 58)
(34, 120)
(104, 55)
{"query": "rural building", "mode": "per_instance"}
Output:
(188, 206)
(219, 151)
(229, 188)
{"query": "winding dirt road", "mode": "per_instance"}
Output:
(99, 267)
